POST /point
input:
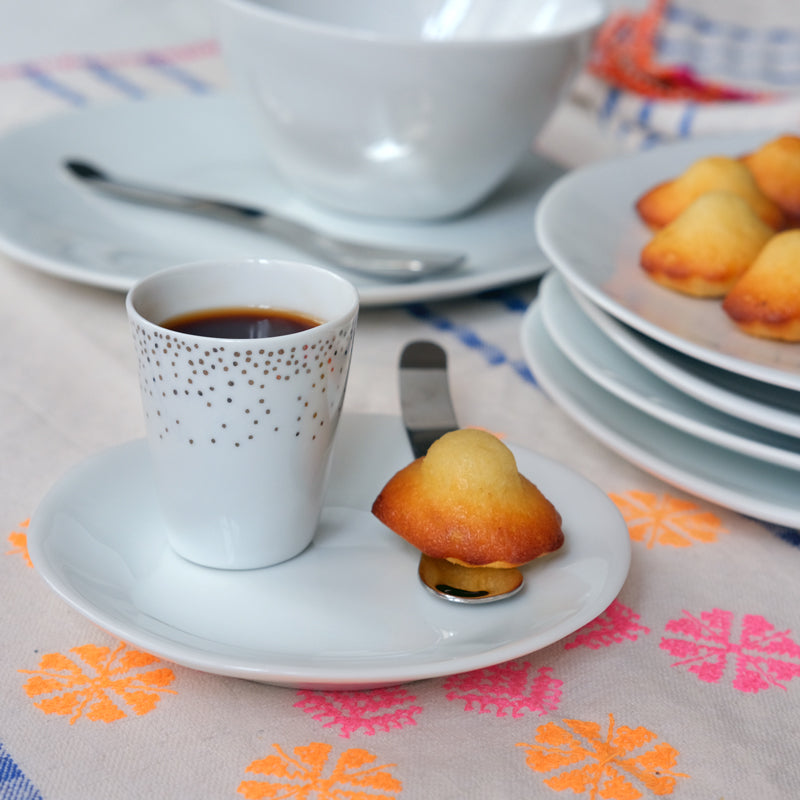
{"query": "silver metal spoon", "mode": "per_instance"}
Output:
(428, 414)
(374, 260)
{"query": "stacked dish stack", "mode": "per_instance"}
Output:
(664, 379)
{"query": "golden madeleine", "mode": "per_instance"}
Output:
(776, 169)
(466, 502)
(664, 202)
(705, 249)
(765, 301)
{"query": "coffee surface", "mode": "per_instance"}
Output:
(245, 322)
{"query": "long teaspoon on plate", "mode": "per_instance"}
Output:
(368, 259)
(428, 414)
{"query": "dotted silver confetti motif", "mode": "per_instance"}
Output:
(221, 395)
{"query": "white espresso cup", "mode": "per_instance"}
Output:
(240, 430)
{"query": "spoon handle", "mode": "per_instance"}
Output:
(425, 395)
(368, 259)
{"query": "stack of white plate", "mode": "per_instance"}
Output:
(665, 380)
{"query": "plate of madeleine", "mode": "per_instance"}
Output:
(694, 244)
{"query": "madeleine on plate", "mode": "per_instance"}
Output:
(664, 202)
(776, 168)
(465, 502)
(704, 250)
(765, 301)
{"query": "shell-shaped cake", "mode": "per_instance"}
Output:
(665, 201)
(705, 249)
(776, 169)
(466, 502)
(765, 301)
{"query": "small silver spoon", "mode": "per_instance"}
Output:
(469, 585)
(367, 259)
(428, 414)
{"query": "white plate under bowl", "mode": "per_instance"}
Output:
(206, 144)
(347, 613)
(597, 357)
(763, 404)
(743, 484)
(588, 226)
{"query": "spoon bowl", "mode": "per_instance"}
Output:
(468, 585)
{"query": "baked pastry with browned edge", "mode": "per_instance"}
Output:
(705, 249)
(663, 203)
(776, 169)
(466, 502)
(765, 301)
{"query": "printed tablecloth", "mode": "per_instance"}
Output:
(684, 687)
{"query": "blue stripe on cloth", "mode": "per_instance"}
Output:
(779, 36)
(651, 139)
(49, 84)
(114, 79)
(14, 785)
(645, 112)
(729, 51)
(687, 119)
(522, 369)
(729, 62)
(699, 23)
(171, 70)
(789, 535)
(511, 300)
(469, 338)
(610, 103)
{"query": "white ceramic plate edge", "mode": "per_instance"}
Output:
(484, 270)
(551, 369)
(572, 331)
(738, 405)
(343, 675)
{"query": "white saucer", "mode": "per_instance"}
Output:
(597, 357)
(350, 611)
(744, 484)
(763, 404)
(206, 144)
(587, 225)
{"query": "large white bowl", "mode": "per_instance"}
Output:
(409, 109)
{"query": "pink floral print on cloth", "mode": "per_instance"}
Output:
(714, 645)
(512, 688)
(616, 624)
(365, 711)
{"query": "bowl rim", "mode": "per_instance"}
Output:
(587, 25)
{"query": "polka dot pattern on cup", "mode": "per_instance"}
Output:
(219, 394)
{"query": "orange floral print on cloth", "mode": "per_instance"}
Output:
(710, 645)
(615, 763)
(365, 711)
(19, 542)
(614, 625)
(666, 521)
(98, 682)
(309, 773)
(512, 688)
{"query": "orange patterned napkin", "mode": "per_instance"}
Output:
(680, 68)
